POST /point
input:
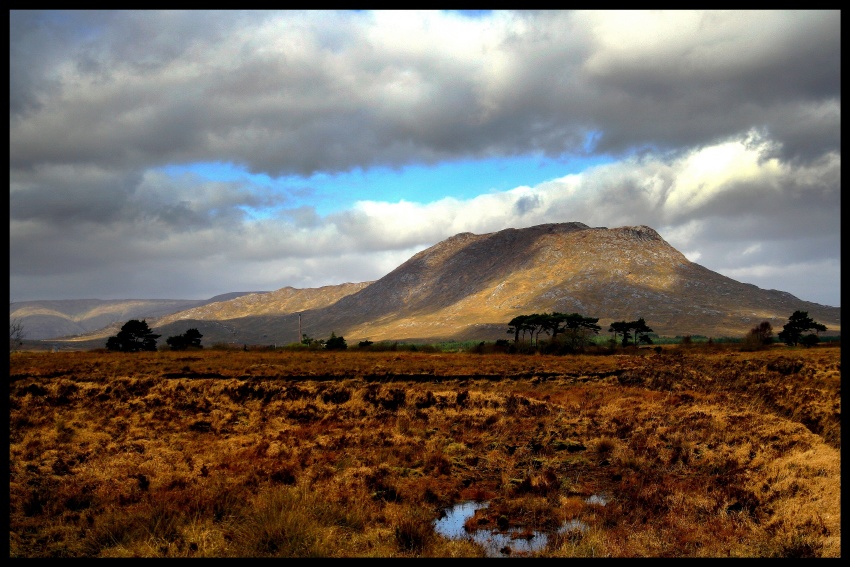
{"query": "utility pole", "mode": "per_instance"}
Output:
(300, 336)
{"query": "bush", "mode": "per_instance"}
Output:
(189, 339)
(335, 342)
(134, 336)
(759, 337)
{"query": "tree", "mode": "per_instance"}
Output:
(189, 339)
(335, 343)
(798, 325)
(16, 333)
(133, 337)
(626, 328)
(641, 330)
(759, 337)
(537, 323)
(519, 325)
(578, 328)
(764, 332)
(533, 324)
(621, 328)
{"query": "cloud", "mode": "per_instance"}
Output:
(721, 131)
(203, 224)
(300, 92)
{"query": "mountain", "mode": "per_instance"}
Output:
(469, 286)
(65, 318)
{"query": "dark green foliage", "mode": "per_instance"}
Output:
(620, 328)
(134, 336)
(189, 339)
(576, 330)
(522, 324)
(335, 342)
(796, 330)
(636, 331)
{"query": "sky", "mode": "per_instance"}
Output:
(182, 155)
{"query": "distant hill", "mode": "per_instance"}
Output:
(50, 319)
(469, 286)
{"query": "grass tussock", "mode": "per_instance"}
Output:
(679, 453)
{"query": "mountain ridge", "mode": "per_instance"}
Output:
(56, 318)
(468, 286)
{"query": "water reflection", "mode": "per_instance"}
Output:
(451, 525)
(496, 544)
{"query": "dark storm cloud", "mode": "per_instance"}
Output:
(100, 101)
(306, 92)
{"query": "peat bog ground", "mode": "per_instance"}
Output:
(686, 452)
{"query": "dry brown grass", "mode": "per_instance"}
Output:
(701, 453)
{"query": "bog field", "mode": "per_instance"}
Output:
(686, 451)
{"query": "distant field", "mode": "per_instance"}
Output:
(699, 451)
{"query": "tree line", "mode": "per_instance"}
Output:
(575, 331)
(136, 336)
(572, 331)
(797, 331)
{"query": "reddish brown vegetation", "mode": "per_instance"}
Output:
(700, 452)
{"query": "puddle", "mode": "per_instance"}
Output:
(494, 543)
(498, 544)
(451, 525)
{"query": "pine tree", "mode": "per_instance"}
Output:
(134, 336)
(799, 323)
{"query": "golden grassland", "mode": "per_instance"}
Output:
(701, 452)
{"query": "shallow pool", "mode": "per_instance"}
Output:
(497, 544)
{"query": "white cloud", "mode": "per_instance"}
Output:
(722, 128)
(703, 175)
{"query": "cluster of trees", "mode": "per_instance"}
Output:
(331, 343)
(191, 339)
(577, 330)
(335, 343)
(631, 331)
(797, 331)
(574, 330)
(136, 336)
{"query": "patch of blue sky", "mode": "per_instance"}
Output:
(327, 193)
(459, 179)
